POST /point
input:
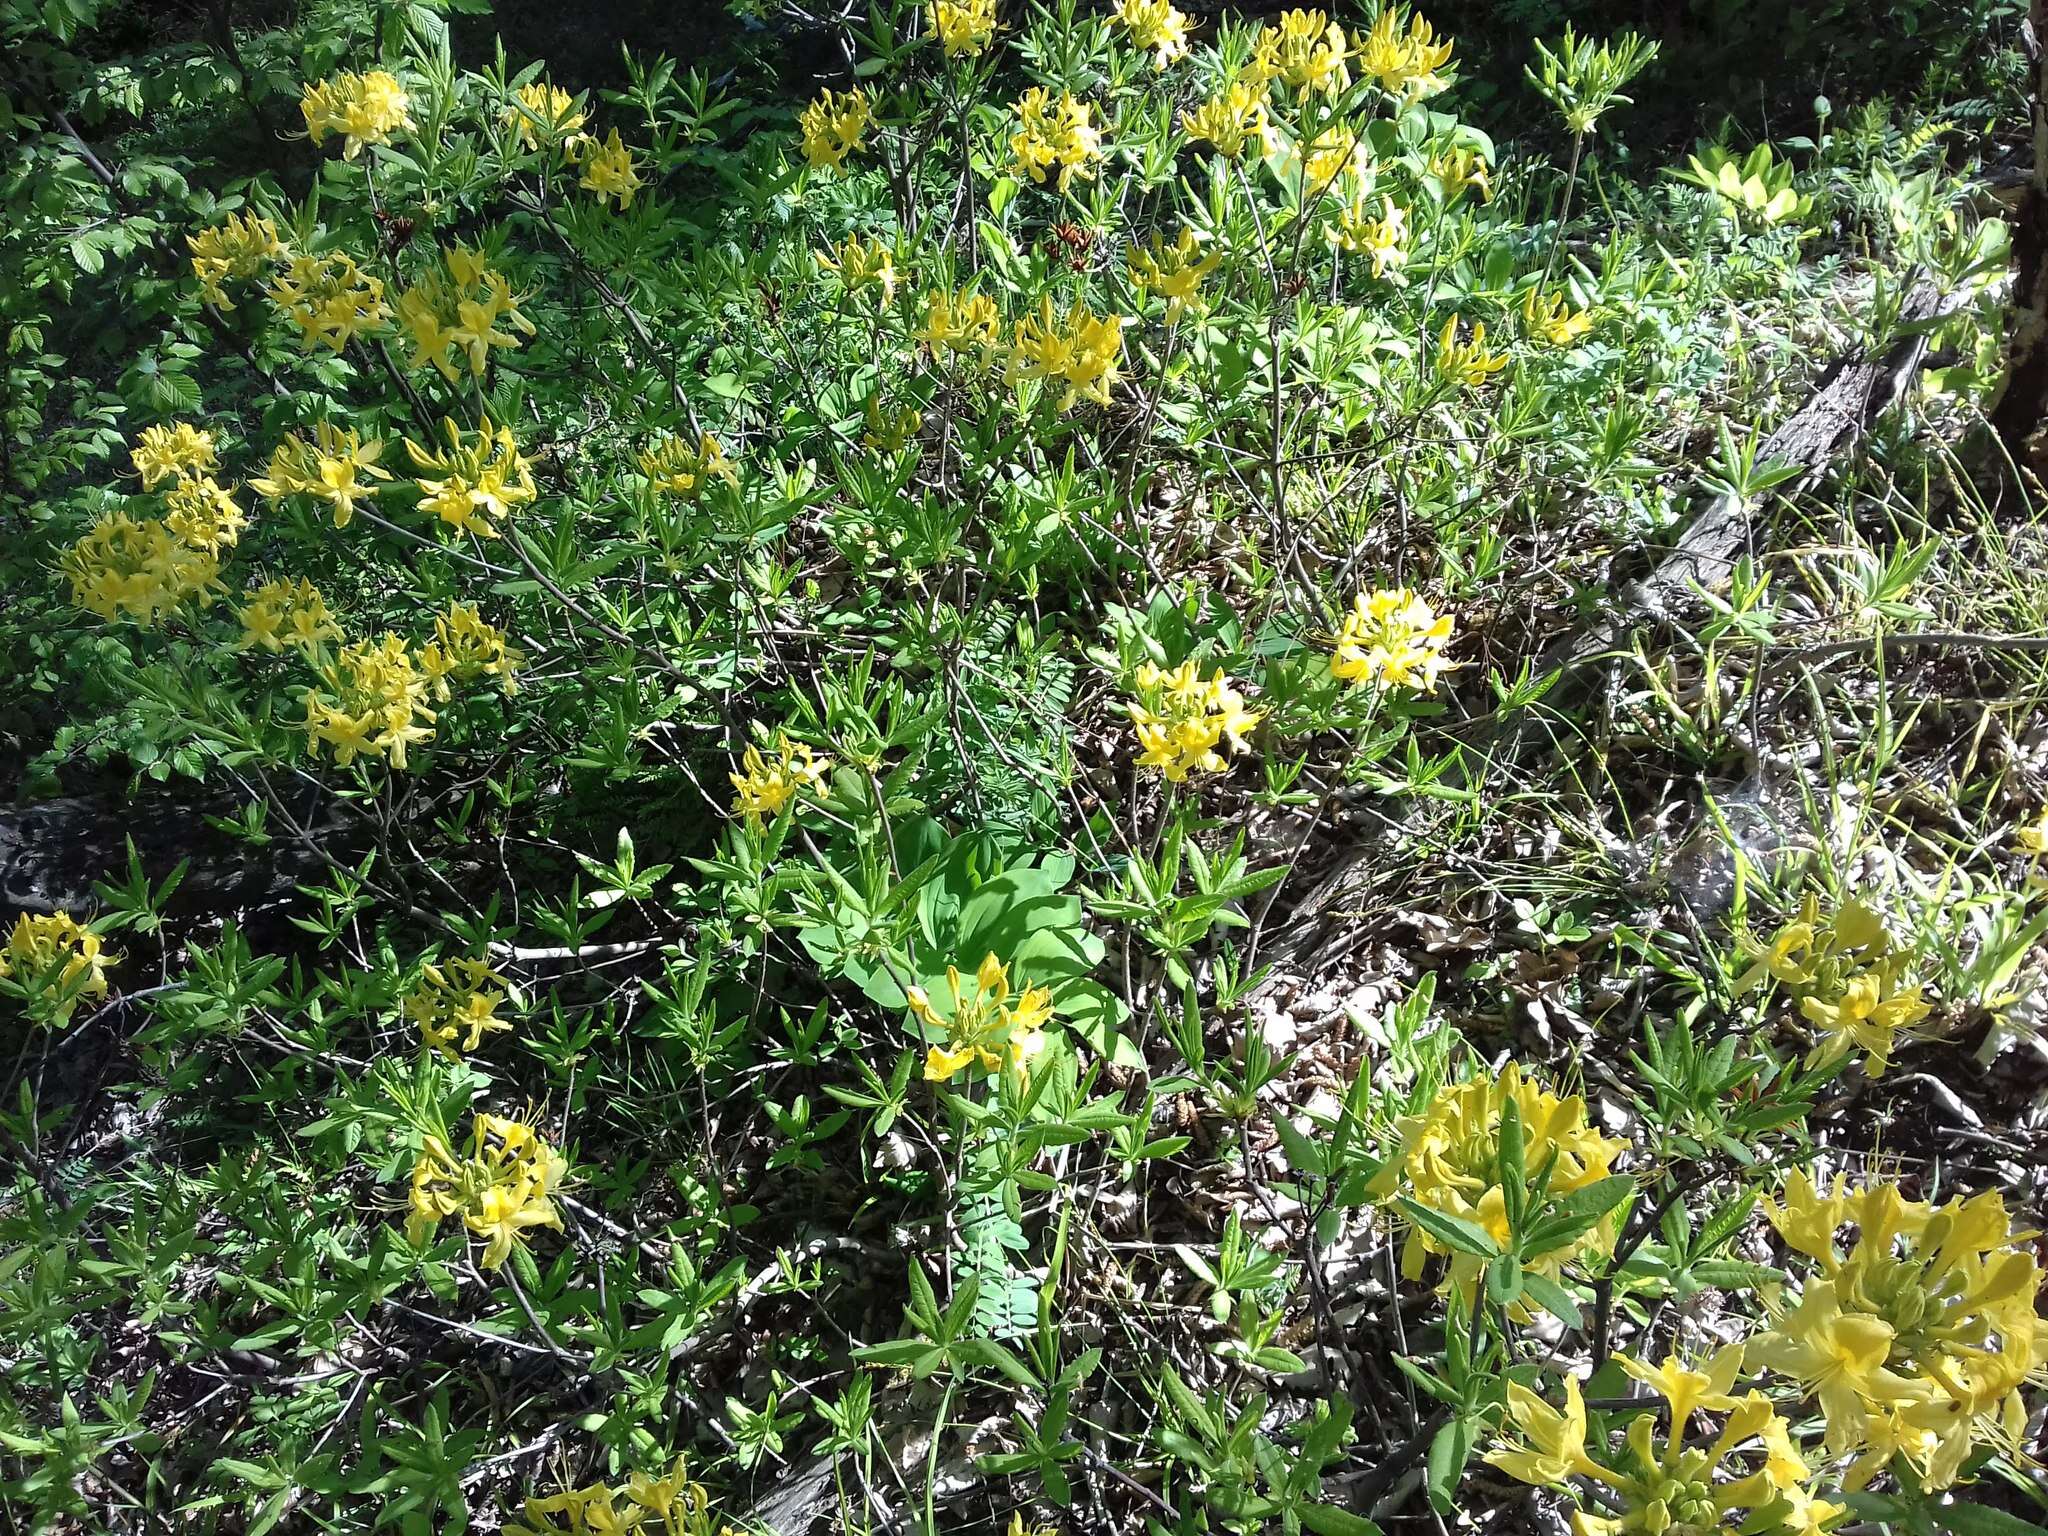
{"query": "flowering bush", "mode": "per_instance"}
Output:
(1010, 699)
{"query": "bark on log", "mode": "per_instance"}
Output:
(1847, 399)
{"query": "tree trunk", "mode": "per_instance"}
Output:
(2022, 404)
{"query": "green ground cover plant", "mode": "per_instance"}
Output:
(853, 806)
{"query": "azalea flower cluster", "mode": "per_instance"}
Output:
(1056, 136)
(1466, 364)
(336, 469)
(57, 958)
(658, 1506)
(961, 322)
(455, 1005)
(371, 700)
(363, 109)
(466, 647)
(1916, 1336)
(1407, 64)
(1749, 1477)
(1156, 27)
(1448, 1159)
(608, 168)
(474, 483)
(461, 307)
(1851, 983)
(243, 247)
(1233, 120)
(1550, 317)
(1181, 720)
(1175, 272)
(1077, 348)
(1305, 51)
(1383, 238)
(678, 467)
(145, 568)
(764, 786)
(1393, 638)
(330, 299)
(862, 264)
(964, 28)
(501, 1189)
(985, 1028)
(542, 115)
(289, 613)
(834, 126)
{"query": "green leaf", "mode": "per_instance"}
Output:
(1454, 1232)
(1553, 1298)
(1329, 1520)
(1571, 1216)
(1965, 1519)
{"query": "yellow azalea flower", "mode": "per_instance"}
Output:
(985, 1028)
(964, 28)
(288, 613)
(888, 431)
(1080, 349)
(140, 570)
(1686, 1389)
(1392, 637)
(1305, 51)
(1916, 1337)
(862, 264)
(609, 170)
(1680, 1489)
(1449, 1160)
(1383, 239)
(1847, 979)
(543, 114)
(363, 109)
(764, 787)
(1467, 363)
(1405, 64)
(960, 322)
(203, 514)
(502, 1189)
(1174, 272)
(1182, 720)
(466, 647)
(370, 702)
(327, 469)
(455, 1005)
(1457, 169)
(1875, 1005)
(1156, 27)
(673, 1505)
(1551, 317)
(1553, 1445)
(2032, 837)
(834, 126)
(1335, 158)
(53, 955)
(1233, 119)
(176, 452)
(1055, 132)
(677, 468)
(474, 483)
(459, 307)
(330, 299)
(242, 247)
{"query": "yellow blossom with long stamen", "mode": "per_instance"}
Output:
(986, 1027)
(964, 28)
(502, 1189)
(1305, 51)
(474, 483)
(241, 247)
(1233, 120)
(1056, 136)
(1156, 27)
(53, 956)
(1916, 1336)
(1184, 722)
(1174, 272)
(834, 126)
(363, 109)
(1394, 638)
(336, 469)
(1080, 349)
(764, 785)
(289, 613)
